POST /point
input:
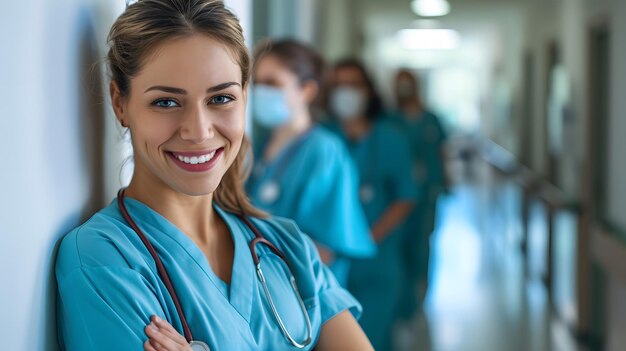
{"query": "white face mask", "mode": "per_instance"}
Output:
(270, 106)
(347, 103)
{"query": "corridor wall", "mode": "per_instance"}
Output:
(61, 149)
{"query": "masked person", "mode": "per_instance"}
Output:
(181, 260)
(427, 137)
(386, 190)
(303, 171)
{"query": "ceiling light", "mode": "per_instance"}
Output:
(429, 39)
(430, 8)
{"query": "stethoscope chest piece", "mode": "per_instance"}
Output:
(199, 346)
(270, 191)
(366, 193)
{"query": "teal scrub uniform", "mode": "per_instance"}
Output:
(313, 181)
(109, 287)
(383, 161)
(426, 136)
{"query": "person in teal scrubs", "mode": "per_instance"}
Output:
(387, 193)
(302, 170)
(427, 138)
(179, 71)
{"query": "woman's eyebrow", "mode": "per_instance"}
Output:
(221, 87)
(167, 89)
(174, 90)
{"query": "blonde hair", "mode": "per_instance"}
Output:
(147, 23)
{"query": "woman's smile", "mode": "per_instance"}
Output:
(196, 161)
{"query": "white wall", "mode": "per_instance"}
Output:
(49, 183)
(570, 26)
(45, 178)
(337, 24)
(243, 10)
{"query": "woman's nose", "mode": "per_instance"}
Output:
(197, 126)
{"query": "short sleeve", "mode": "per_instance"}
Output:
(103, 303)
(331, 297)
(104, 308)
(329, 209)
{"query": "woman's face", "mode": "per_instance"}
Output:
(351, 77)
(350, 94)
(405, 86)
(186, 114)
(271, 72)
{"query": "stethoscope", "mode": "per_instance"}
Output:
(270, 189)
(259, 239)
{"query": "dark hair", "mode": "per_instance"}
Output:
(299, 58)
(145, 25)
(375, 105)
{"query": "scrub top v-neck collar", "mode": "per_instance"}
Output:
(276, 166)
(239, 293)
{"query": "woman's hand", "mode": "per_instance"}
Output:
(163, 337)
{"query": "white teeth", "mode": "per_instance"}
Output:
(194, 160)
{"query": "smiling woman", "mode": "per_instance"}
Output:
(186, 101)
(181, 260)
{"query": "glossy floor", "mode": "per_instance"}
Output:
(479, 298)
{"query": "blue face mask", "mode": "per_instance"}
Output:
(269, 106)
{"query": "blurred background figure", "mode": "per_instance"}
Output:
(426, 136)
(302, 171)
(386, 190)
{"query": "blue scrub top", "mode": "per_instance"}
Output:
(426, 135)
(384, 163)
(318, 188)
(109, 287)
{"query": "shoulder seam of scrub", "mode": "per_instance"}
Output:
(77, 231)
(78, 254)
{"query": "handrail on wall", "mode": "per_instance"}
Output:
(534, 183)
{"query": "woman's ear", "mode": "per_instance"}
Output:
(118, 102)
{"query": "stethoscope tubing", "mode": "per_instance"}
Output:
(259, 239)
(160, 267)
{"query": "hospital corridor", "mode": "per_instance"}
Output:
(345, 175)
(481, 296)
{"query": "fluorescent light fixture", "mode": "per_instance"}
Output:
(429, 39)
(430, 8)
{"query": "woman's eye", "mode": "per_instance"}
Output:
(165, 103)
(221, 99)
